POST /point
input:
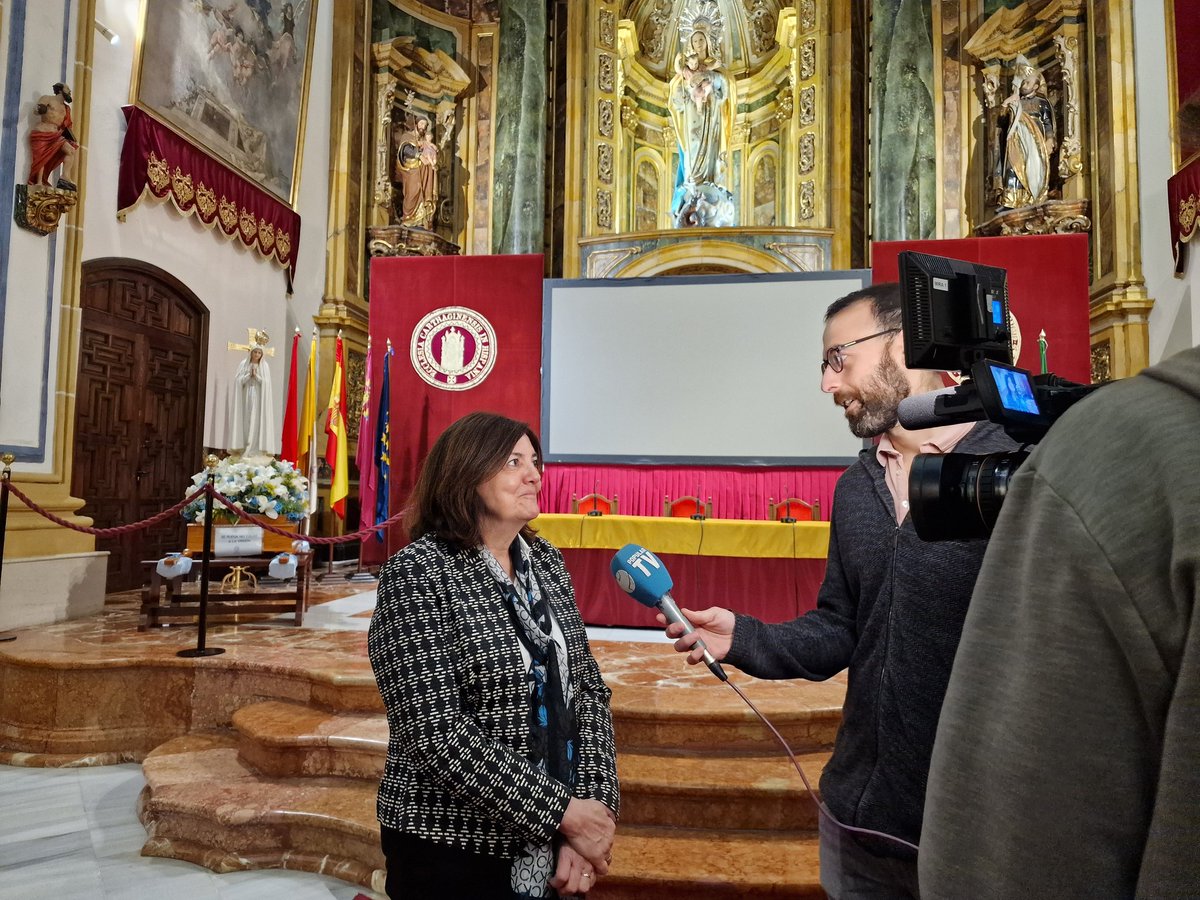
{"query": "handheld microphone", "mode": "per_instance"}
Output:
(643, 576)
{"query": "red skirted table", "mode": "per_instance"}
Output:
(771, 570)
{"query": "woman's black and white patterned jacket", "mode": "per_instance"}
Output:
(448, 664)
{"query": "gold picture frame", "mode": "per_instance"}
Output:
(232, 77)
(1183, 32)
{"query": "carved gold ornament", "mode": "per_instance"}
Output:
(606, 118)
(38, 208)
(604, 216)
(808, 199)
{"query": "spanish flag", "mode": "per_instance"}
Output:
(306, 438)
(335, 430)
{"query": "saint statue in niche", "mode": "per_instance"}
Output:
(51, 142)
(252, 421)
(1029, 140)
(416, 173)
(702, 105)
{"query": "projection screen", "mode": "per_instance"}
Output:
(716, 370)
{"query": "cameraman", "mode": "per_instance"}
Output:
(891, 606)
(1067, 761)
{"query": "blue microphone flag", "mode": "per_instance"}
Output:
(641, 574)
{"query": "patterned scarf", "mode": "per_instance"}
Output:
(553, 730)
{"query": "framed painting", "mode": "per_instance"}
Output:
(231, 76)
(1183, 76)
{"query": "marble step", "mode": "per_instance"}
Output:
(289, 740)
(203, 805)
(659, 702)
(668, 788)
(667, 863)
(688, 789)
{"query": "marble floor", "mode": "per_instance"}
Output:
(74, 832)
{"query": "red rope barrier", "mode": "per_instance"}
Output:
(119, 530)
(116, 531)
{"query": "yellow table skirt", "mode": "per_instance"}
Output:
(694, 537)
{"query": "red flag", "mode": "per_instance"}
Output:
(288, 441)
(335, 430)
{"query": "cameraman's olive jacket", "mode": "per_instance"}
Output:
(891, 609)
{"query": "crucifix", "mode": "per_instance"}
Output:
(256, 337)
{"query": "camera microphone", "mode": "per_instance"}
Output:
(960, 404)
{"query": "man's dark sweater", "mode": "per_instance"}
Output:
(891, 608)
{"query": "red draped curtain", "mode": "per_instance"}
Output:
(737, 492)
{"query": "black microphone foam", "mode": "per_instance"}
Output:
(917, 412)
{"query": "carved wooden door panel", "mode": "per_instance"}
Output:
(139, 407)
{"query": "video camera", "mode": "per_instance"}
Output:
(955, 316)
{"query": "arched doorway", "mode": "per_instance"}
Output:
(139, 408)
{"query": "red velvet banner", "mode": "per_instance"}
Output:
(1047, 289)
(467, 331)
(155, 159)
(1183, 196)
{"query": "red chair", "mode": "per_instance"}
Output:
(595, 505)
(686, 508)
(793, 510)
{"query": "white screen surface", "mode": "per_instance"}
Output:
(692, 370)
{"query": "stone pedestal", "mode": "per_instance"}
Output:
(402, 240)
(1050, 217)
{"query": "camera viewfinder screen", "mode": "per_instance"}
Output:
(1016, 391)
(997, 312)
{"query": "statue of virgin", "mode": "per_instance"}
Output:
(701, 106)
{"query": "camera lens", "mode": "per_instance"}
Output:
(957, 496)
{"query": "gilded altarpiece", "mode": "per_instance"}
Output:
(419, 173)
(782, 156)
(1075, 58)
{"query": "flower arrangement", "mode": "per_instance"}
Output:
(262, 487)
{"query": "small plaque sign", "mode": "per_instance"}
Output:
(237, 540)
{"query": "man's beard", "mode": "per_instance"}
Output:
(878, 401)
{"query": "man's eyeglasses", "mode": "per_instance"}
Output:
(833, 356)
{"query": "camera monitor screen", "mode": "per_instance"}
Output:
(1015, 390)
(955, 313)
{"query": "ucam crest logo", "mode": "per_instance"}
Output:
(453, 348)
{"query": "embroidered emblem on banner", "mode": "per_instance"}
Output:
(453, 348)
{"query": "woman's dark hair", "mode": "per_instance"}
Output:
(445, 500)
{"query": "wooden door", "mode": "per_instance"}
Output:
(139, 407)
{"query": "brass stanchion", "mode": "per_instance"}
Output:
(360, 574)
(210, 462)
(8, 459)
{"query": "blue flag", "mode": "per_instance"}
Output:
(383, 444)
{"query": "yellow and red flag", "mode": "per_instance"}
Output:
(306, 443)
(335, 430)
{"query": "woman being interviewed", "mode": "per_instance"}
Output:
(501, 772)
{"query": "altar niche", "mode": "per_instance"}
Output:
(707, 121)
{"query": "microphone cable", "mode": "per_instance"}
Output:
(821, 807)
